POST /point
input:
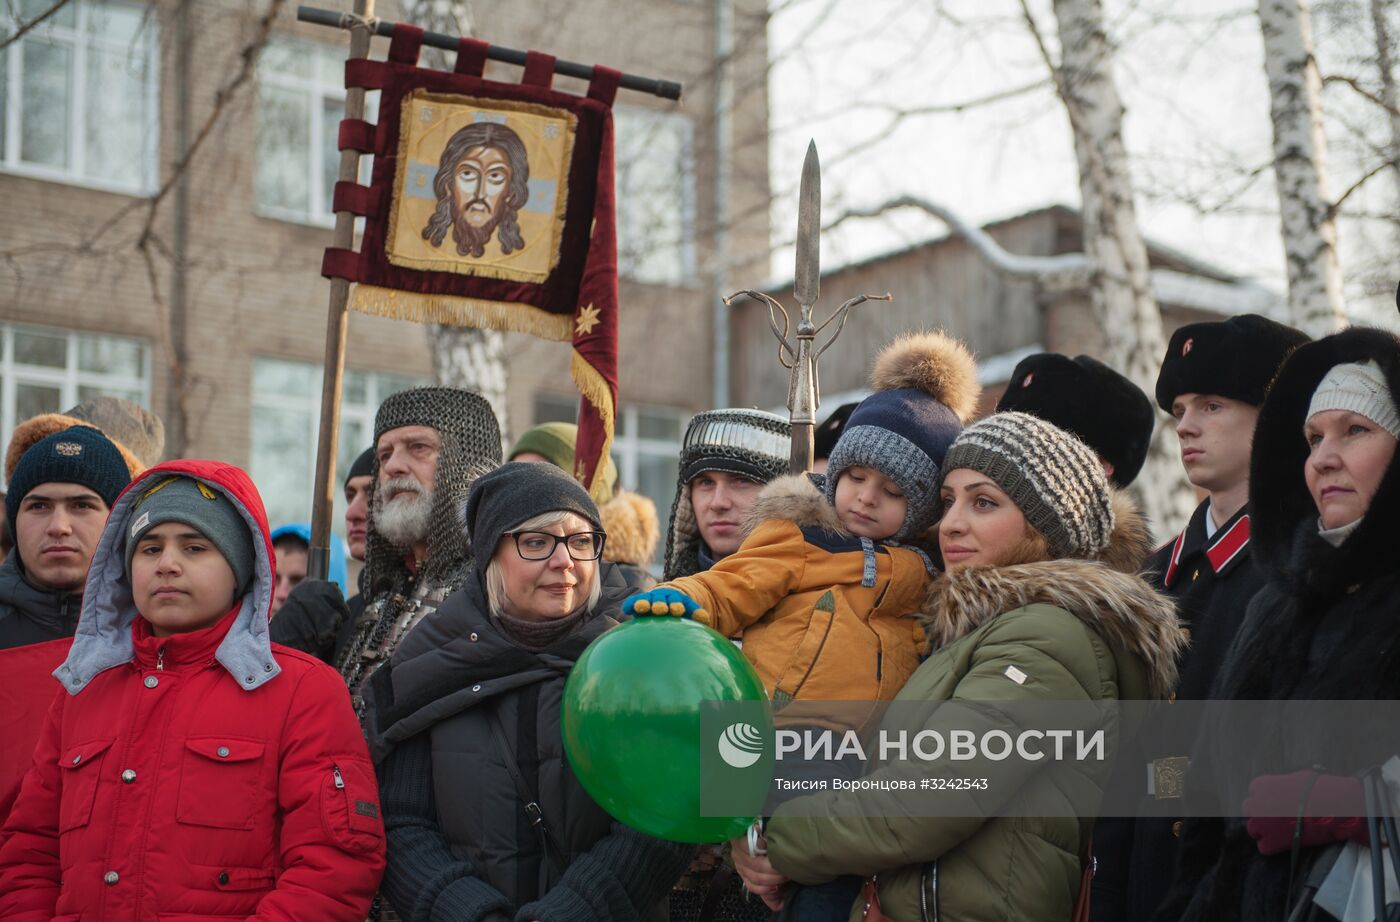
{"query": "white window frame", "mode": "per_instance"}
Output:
(629, 214)
(317, 90)
(67, 379)
(77, 39)
(361, 413)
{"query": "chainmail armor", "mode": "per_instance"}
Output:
(397, 597)
(751, 443)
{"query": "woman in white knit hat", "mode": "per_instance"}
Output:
(1040, 601)
(1324, 496)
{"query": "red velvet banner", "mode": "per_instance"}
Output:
(491, 205)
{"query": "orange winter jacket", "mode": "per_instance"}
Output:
(815, 625)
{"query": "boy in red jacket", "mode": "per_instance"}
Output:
(191, 769)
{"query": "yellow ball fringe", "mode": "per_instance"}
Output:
(641, 607)
(660, 608)
(677, 609)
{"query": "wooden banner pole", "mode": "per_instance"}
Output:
(337, 321)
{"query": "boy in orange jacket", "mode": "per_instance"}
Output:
(825, 584)
(189, 768)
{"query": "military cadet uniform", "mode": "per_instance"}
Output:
(1212, 577)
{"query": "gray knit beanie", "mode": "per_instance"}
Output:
(1053, 478)
(1360, 388)
(210, 512)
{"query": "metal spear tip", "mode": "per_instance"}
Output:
(807, 277)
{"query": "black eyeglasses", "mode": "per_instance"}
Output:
(540, 545)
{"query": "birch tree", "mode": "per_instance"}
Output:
(1307, 213)
(1121, 289)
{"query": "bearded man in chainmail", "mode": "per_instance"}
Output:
(430, 444)
(726, 458)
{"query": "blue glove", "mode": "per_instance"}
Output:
(662, 601)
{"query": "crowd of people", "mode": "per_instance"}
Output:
(228, 737)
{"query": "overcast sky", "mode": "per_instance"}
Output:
(1198, 130)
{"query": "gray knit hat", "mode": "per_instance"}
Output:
(1359, 387)
(1053, 478)
(184, 499)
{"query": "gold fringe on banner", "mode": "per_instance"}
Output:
(595, 390)
(464, 312)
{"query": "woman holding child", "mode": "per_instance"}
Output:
(1040, 601)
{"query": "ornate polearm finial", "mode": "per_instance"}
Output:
(804, 386)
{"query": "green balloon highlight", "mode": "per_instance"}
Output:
(632, 725)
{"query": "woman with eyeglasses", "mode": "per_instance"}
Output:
(484, 818)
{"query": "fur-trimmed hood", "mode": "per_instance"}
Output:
(795, 498)
(632, 527)
(1107, 594)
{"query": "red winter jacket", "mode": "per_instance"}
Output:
(199, 777)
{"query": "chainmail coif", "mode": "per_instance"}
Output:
(470, 446)
(750, 443)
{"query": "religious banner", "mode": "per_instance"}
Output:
(491, 205)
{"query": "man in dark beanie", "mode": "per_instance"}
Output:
(59, 494)
(430, 444)
(1213, 380)
(315, 617)
(1084, 396)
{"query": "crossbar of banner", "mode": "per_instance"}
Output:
(666, 89)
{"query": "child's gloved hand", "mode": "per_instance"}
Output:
(664, 602)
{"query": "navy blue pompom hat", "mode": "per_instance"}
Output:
(925, 390)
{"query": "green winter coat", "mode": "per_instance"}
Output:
(1078, 630)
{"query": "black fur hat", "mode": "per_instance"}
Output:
(1084, 396)
(830, 430)
(1235, 358)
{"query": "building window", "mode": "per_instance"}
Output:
(78, 94)
(286, 423)
(655, 196)
(49, 371)
(301, 100)
(646, 449)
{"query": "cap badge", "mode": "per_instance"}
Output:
(1026, 381)
(1186, 346)
(68, 449)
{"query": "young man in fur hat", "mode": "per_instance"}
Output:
(430, 445)
(1084, 396)
(1213, 380)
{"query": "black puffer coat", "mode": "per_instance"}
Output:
(1325, 627)
(31, 615)
(462, 844)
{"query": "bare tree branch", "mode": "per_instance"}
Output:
(26, 27)
(1360, 91)
(1335, 208)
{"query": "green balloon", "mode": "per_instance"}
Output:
(633, 728)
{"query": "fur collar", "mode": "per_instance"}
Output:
(794, 498)
(1106, 593)
(1122, 608)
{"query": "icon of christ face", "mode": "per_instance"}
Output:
(481, 184)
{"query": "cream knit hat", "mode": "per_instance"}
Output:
(1359, 387)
